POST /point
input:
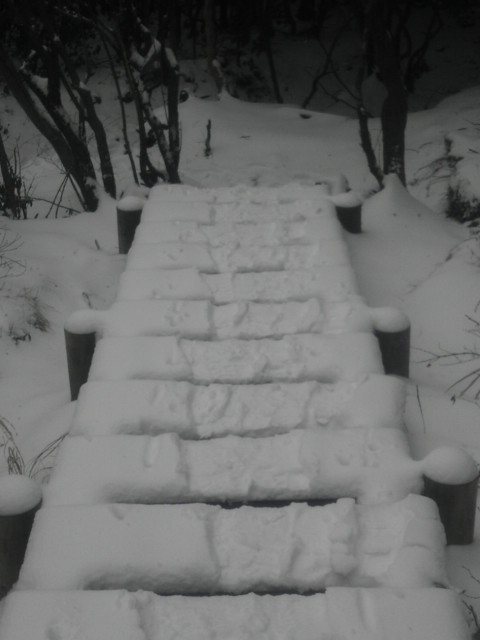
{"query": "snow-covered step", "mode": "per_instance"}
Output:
(329, 283)
(343, 613)
(249, 210)
(248, 320)
(326, 185)
(203, 549)
(198, 411)
(263, 211)
(372, 465)
(293, 358)
(236, 259)
(263, 234)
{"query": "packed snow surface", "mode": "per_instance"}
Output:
(291, 358)
(203, 320)
(206, 411)
(233, 259)
(264, 234)
(195, 548)
(350, 614)
(373, 465)
(336, 283)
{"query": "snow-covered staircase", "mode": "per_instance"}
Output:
(237, 466)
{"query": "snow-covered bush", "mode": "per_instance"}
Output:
(463, 193)
(21, 309)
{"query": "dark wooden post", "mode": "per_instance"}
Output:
(20, 499)
(454, 490)
(80, 348)
(349, 211)
(392, 329)
(129, 213)
(81, 331)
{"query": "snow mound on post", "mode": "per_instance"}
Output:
(450, 465)
(18, 494)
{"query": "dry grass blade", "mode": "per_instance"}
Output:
(13, 457)
(42, 463)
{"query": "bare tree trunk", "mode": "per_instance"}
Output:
(8, 183)
(71, 155)
(211, 42)
(266, 37)
(173, 119)
(394, 122)
(106, 168)
(126, 140)
(81, 97)
(148, 173)
(366, 143)
(395, 106)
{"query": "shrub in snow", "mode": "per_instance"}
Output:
(462, 195)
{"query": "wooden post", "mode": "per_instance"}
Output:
(456, 504)
(392, 329)
(20, 499)
(395, 348)
(350, 218)
(129, 213)
(80, 348)
(451, 480)
(349, 211)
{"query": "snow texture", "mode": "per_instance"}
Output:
(373, 614)
(203, 320)
(233, 259)
(18, 494)
(372, 465)
(197, 411)
(335, 283)
(195, 548)
(450, 465)
(265, 234)
(289, 359)
(131, 203)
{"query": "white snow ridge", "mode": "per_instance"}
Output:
(237, 466)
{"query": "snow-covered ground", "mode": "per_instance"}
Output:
(409, 256)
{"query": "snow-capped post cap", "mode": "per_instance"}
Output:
(18, 494)
(80, 338)
(348, 206)
(392, 329)
(451, 480)
(129, 213)
(85, 321)
(337, 184)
